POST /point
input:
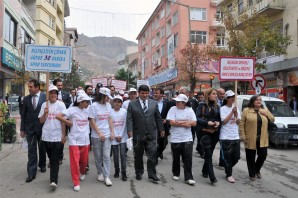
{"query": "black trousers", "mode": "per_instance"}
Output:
(254, 166)
(52, 149)
(150, 147)
(183, 149)
(209, 140)
(199, 147)
(230, 150)
(34, 141)
(163, 141)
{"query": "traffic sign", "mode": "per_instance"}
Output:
(258, 83)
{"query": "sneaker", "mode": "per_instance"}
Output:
(53, 185)
(77, 188)
(100, 178)
(82, 177)
(231, 179)
(108, 182)
(176, 178)
(259, 175)
(190, 182)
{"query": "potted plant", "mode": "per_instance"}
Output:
(9, 130)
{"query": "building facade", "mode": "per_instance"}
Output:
(282, 71)
(18, 30)
(166, 33)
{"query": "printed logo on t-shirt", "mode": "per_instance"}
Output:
(81, 122)
(118, 123)
(103, 116)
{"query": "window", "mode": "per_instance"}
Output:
(10, 29)
(162, 14)
(240, 6)
(219, 15)
(175, 40)
(230, 7)
(157, 22)
(168, 28)
(199, 14)
(157, 39)
(153, 42)
(250, 3)
(52, 2)
(220, 40)
(162, 32)
(25, 39)
(168, 8)
(175, 18)
(199, 37)
(51, 22)
(162, 49)
(146, 48)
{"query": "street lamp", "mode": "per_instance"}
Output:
(211, 78)
(188, 9)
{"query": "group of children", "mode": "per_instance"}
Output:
(108, 127)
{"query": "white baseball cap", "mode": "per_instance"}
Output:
(125, 95)
(80, 92)
(106, 92)
(229, 93)
(181, 98)
(131, 90)
(83, 97)
(53, 87)
(118, 97)
(121, 92)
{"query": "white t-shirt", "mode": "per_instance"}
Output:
(119, 122)
(125, 104)
(52, 130)
(101, 114)
(230, 130)
(79, 131)
(181, 134)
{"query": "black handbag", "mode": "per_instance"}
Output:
(271, 126)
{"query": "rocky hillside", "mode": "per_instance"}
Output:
(100, 54)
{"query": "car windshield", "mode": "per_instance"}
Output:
(12, 99)
(279, 109)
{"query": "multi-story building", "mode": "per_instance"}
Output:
(18, 29)
(282, 71)
(49, 16)
(166, 33)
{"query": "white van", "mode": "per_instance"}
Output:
(287, 123)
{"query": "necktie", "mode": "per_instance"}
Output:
(34, 102)
(144, 107)
(220, 103)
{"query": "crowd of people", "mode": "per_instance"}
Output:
(104, 120)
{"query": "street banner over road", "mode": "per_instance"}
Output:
(48, 58)
(236, 68)
(119, 84)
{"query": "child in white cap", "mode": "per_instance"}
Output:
(78, 137)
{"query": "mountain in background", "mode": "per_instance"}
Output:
(100, 55)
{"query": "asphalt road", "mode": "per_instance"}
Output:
(280, 178)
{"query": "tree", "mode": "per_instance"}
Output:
(72, 80)
(125, 74)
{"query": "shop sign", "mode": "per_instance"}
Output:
(165, 76)
(11, 60)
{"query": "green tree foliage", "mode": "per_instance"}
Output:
(72, 80)
(125, 74)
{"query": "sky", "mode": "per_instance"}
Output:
(120, 18)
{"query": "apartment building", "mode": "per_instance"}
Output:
(18, 29)
(166, 33)
(49, 16)
(282, 73)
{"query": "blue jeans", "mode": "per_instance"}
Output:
(102, 158)
(122, 149)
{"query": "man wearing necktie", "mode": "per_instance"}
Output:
(143, 124)
(220, 99)
(32, 129)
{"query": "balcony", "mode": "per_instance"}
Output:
(270, 7)
(214, 3)
(29, 17)
(216, 24)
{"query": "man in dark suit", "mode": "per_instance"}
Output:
(163, 110)
(32, 129)
(64, 97)
(143, 124)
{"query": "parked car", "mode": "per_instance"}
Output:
(285, 120)
(13, 104)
